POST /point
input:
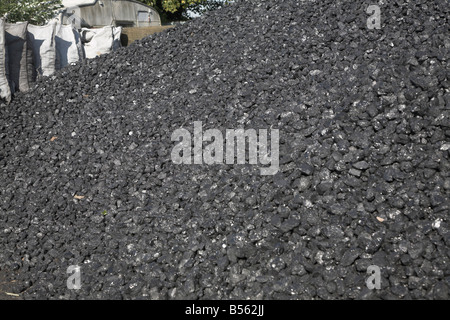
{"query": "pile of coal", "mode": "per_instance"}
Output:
(357, 210)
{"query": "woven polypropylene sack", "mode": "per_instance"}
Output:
(5, 92)
(43, 41)
(100, 43)
(20, 56)
(68, 45)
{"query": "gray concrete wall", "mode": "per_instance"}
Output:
(116, 12)
(125, 10)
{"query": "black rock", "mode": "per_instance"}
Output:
(349, 257)
(361, 165)
(441, 291)
(306, 168)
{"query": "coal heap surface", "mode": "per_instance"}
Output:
(87, 177)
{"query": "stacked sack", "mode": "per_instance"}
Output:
(28, 51)
(100, 41)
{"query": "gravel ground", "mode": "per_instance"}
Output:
(87, 177)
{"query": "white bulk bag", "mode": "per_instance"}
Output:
(68, 46)
(20, 56)
(101, 41)
(42, 39)
(5, 92)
